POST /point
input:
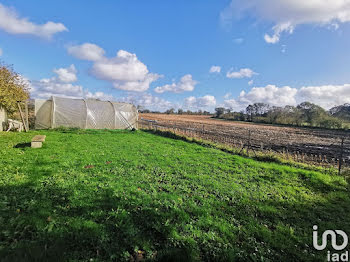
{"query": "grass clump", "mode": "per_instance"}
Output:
(107, 195)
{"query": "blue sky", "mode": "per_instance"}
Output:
(279, 52)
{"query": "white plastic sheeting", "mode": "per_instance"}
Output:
(84, 113)
(43, 113)
(3, 118)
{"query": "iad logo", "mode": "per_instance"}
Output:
(333, 236)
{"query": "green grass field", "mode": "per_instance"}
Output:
(107, 195)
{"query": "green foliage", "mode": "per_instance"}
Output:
(341, 112)
(311, 113)
(237, 116)
(330, 122)
(98, 195)
(12, 89)
(257, 110)
(289, 115)
(219, 111)
(305, 114)
(170, 111)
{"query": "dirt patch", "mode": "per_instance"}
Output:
(318, 145)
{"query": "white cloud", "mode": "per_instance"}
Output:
(61, 85)
(98, 95)
(148, 101)
(270, 94)
(277, 30)
(0, 51)
(326, 96)
(124, 71)
(190, 101)
(45, 88)
(215, 69)
(137, 85)
(288, 14)
(251, 82)
(124, 67)
(242, 73)
(186, 83)
(204, 102)
(227, 95)
(238, 40)
(66, 75)
(87, 51)
(233, 104)
(13, 24)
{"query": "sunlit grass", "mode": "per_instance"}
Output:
(108, 195)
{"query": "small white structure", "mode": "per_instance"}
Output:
(37, 141)
(3, 119)
(84, 113)
(15, 125)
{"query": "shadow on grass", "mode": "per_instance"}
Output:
(76, 130)
(22, 145)
(42, 224)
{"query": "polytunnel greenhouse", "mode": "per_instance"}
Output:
(84, 113)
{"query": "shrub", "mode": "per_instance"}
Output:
(13, 88)
(330, 122)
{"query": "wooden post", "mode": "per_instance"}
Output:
(248, 142)
(22, 117)
(27, 113)
(341, 155)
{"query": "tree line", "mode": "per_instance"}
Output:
(304, 114)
